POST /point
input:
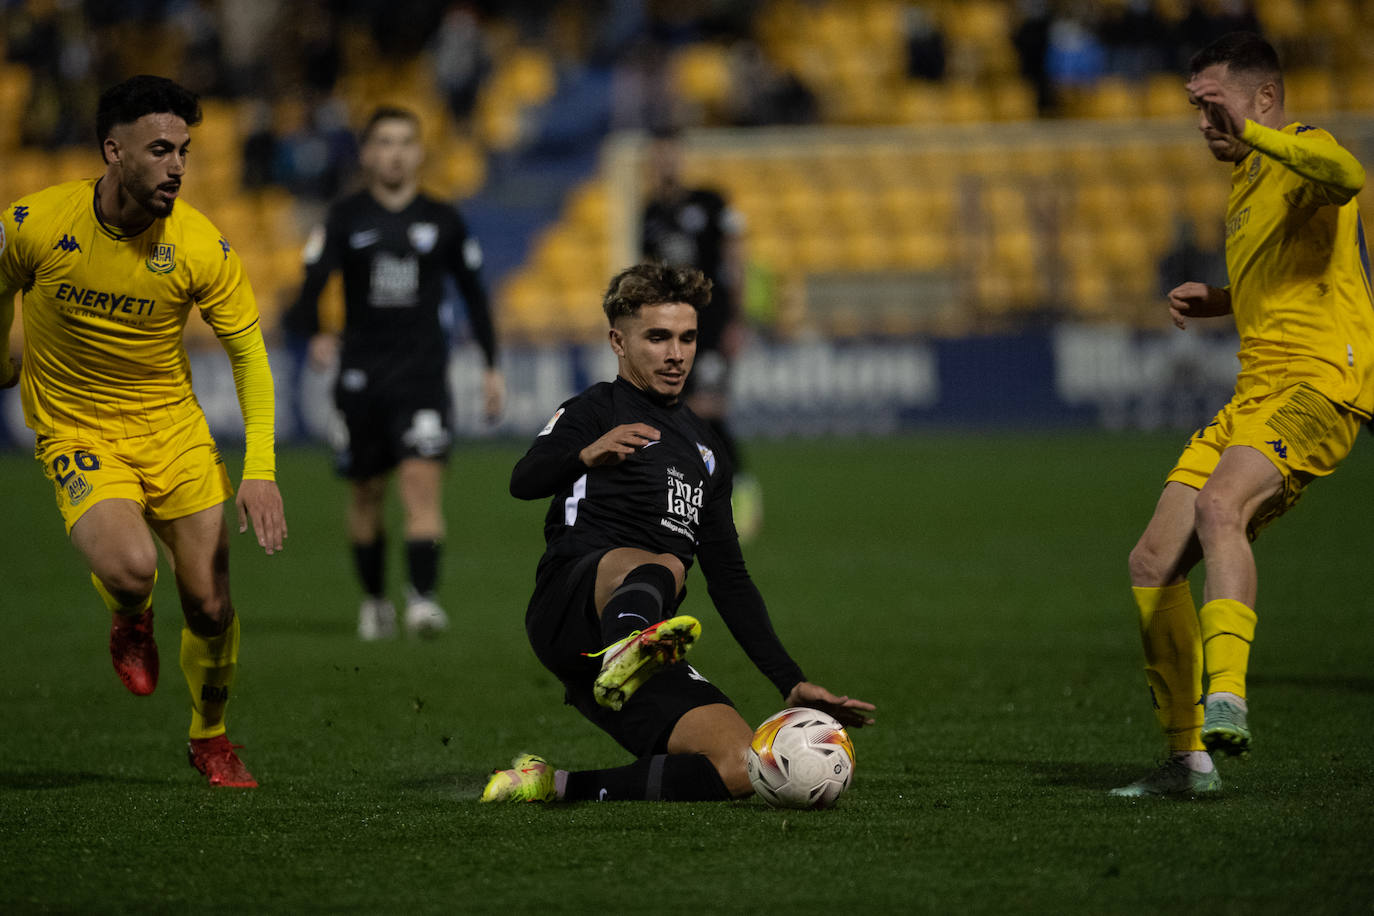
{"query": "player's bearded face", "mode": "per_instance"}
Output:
(152, 160)
(656, 347)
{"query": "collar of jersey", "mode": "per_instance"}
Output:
(657, 400)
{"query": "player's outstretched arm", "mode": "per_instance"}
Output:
(848, 710)
(1313, 156)
(259, 502)
(1197, 300)
(258, 499)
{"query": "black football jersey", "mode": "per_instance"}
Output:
(394, 267)
(670, 496)
(690, 230)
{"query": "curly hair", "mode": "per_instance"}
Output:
(654, 284)
(143, 95)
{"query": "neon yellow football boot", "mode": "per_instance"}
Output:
(629, 662)
(530, 779)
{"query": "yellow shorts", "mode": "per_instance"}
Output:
(1303, 433)
(171, 473)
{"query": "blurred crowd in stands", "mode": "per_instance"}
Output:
(288, 58)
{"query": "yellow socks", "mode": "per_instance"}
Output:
(209, 664)
(1228, 628)
(1173, 661)
(113, 603)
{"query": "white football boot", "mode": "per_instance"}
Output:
(424, 618)
(376, 619)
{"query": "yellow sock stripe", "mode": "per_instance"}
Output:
(113, 604)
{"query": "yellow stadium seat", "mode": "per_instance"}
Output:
(966, 103)
(1310, 90)
(977, 22)
(1014, 251)
(1114, 99)
(1013, 99)
(1282, 20)
(1089, 291)
(531, 76)
(701, 73)
(1165, 96)
(927, 250)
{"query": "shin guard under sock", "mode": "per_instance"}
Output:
(643, 599)
(1173, 661)
(209, 664)
(1228, 628)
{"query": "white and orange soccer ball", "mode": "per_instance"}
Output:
(800, 758)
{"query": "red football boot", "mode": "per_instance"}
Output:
(134, 652)
(215, 758)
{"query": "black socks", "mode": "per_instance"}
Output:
(662, 777)
(645, 597)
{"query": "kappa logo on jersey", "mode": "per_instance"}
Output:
(67, 243)
(224, 247)
(423, 236)
(20, 214)
(163, 259)
(1255, 165)
(364, 238)
(709, 457)
(548, 427)
(1279, 448)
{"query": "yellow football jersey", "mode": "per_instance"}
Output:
(104, 313)
(1299, 276)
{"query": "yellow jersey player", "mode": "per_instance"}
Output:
(110, 270)
(1300, 296)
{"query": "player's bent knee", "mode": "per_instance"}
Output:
(129, 578)
(1147, 566)
(207, 615)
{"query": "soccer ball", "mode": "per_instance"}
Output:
(800, 758)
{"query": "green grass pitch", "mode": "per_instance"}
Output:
(972, 586)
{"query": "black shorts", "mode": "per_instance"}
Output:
(562, 625)
(381, 430)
